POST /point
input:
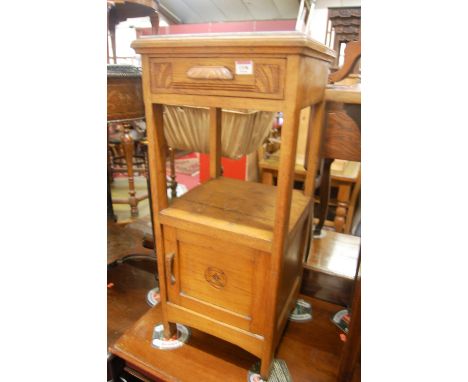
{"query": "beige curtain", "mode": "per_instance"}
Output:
(243, 131)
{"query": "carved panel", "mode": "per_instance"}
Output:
(267, 78)
(342, 29)
(343, 12)
(161, 74)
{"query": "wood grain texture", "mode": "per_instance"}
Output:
(232, 292)
(209, 73)
(315, 138)
(347, 94)
(342, 137)
(124, 98)
(197, 76)
(330, 268)
(241, 210)
(239, 102)
(335, 254)
(215, 142)
(341, 213)
(158, 185)
(283, 214)
(268, 42)
(352, 55)
(126, 299)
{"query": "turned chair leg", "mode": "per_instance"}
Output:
(324, 195)
(127, 145)
(344, 193)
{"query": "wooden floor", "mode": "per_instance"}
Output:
(125, 239)
(311, 350)
(129, 282)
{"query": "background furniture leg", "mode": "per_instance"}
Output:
(267, 177)
(154, 19)
(112, 35)
(324, 195)
(352, 205)
(173, 173)
(127, 145)
(344, 192)
(110, 208)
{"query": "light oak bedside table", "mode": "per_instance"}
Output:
(230, 252)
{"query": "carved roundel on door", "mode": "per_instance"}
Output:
(215, 277)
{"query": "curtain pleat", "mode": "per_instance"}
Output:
(243, 131)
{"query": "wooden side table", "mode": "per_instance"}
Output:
(230, 252)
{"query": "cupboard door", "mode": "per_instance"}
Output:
(215, 278)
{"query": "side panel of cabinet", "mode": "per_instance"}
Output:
(291, 273)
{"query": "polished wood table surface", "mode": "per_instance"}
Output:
(335, 254)
(311, 351)
(344, 93)
(330, 268)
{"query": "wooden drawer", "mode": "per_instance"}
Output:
(224, 76)
(215, 278)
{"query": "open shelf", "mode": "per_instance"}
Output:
(233, 206)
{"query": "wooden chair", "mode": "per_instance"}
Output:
(125, 107)
(126, 135)
(342, 140)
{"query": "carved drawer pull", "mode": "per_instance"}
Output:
(209, 73)
(170, 267)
